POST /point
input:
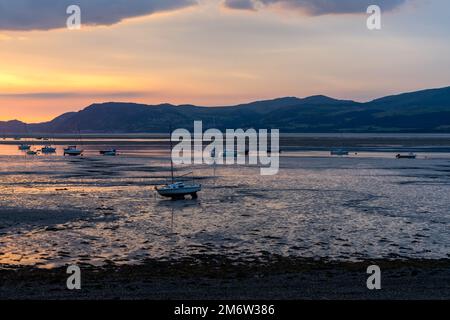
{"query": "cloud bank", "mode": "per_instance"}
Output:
(51, 14)
(315, 7)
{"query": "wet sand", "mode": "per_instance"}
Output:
(102, 214)
(221, 279)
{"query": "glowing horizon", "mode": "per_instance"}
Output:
(210, 55)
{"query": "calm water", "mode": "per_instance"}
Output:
(57, 210)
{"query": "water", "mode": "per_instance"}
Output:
(57, 210)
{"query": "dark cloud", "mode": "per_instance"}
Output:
(240, 4)
(51, 14)
(318, 7)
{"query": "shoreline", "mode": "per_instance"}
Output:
(286, 142)
(219, 278)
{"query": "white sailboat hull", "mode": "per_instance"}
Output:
(179, 192)
(73, 152)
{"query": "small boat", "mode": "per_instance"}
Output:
(72, 151)
(179, 190)
(111, 152)
(339, 152)
(31, 153)
(17, 138)
(24, 147)
(48, 149)
(406, 156)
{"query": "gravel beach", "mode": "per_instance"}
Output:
(220, 279)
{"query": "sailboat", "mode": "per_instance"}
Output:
(341, 151)
(25, 146)
(178, 190)
(73, 150)
(47, 148)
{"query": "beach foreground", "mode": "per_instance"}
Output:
(309, 232)
(219, 278)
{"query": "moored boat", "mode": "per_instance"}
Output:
(72, 151)
(339, 152)
(179, 190)
(48, 149)
(31, 153)
(410, 155)
(24, 147)
(110, 152)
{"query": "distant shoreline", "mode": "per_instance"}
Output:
(287, 141)
(164, 135)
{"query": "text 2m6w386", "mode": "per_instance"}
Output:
(246, 309)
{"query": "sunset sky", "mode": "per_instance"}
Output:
(214, 52)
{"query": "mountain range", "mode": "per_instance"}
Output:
(426, 111)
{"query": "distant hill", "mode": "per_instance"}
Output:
(426, 111)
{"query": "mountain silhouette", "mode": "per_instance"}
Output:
(426, 111)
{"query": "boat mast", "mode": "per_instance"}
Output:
(80, 139)
(215, 157)
(170, 155)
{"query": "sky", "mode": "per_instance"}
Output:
(214, 52)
